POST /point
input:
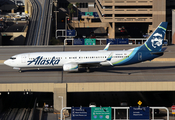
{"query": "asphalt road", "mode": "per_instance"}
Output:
(34, 23)
(146, 71)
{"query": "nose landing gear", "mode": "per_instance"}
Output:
(20, 70)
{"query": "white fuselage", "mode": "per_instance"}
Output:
(53, 59)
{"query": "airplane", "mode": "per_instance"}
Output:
(74, 60)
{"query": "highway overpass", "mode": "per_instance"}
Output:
(61, 89)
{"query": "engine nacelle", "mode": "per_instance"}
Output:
(70, 67)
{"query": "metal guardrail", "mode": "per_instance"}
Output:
(99, 39)
(61, 115)
(159, 108)
(63, 33)
(138, 39)
(127, 111)
(104, 39)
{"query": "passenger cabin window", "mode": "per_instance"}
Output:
(13, 58)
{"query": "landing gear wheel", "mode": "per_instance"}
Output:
(87, 69)
(20, 70)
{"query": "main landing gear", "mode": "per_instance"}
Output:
(87, 69)
(19, 70)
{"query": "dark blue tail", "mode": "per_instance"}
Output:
(154, 42)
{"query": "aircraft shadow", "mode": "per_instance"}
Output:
(131, 70)
(117, 69)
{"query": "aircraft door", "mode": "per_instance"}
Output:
(23, 58)
(140, 56)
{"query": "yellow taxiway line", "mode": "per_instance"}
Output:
(2, 61)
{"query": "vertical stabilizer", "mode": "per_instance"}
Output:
(154, 42)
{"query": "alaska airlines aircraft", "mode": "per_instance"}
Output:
(72, 61)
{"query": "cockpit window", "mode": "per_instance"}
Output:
(13, 58)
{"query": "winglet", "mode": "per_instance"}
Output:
(107, 46)
(109, 58)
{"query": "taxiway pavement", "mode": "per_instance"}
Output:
(145, 71)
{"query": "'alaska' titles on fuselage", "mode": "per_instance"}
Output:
(40, 61)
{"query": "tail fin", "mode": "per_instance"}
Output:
(154, 42)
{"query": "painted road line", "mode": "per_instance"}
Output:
(2, 61)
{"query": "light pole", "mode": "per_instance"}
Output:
(56, 12)
(66, 25)
(62, 100)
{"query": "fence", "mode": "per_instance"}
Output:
(104, 41)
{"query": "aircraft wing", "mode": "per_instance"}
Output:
(92, 63)
(73, 66)
(163, 49)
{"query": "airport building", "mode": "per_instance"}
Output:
(118, 12)
(125, 18)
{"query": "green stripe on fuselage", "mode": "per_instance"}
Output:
(122, 59)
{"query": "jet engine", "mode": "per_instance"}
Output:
(70, 67)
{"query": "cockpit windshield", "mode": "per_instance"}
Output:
(13, 58)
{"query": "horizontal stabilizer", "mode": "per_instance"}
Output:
(160, 52)
(163, 49)
(157, 53)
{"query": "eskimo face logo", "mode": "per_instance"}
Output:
(157, 40)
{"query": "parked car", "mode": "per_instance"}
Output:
(92, 104)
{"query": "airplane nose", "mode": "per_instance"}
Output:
(7, 62)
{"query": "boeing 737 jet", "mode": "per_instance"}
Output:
(72, 61)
